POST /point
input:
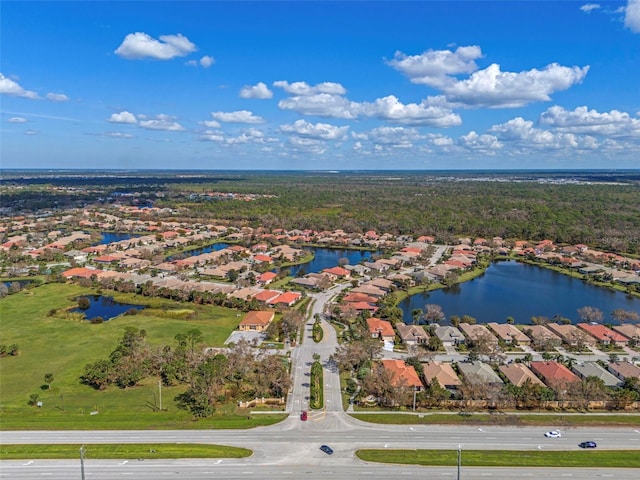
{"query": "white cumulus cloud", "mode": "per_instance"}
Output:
(123, 117)
(486, 143)
(321, 105)
(259, 91)
(239, 116)
(583, 120)
(489, 87)
(17, 120)
(57, 97)
(494, 88)
(588, 7)
(632, 16)
(207, 61)
(162, 122)
(524, 137)
(320, 131)
(210, 124)
(10, 87)
(391, 109)
(435, 67)
(303, 88)
(140, 45)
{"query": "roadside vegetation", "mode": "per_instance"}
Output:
(505, 458)
(568, 419)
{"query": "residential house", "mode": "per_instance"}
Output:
(443, 373)
(80, 272)
(402, 375)
(571, 335)
(411, 334)
(509, 334)
(479, 373)
(381, 283)
(518, 374)
(554, 374)
(631, 332)
(592, 369)
(287, 299)
(266, 295)
(256, 321)
(542, 336)
(266, 278)
(603, 335)
(475, 333)
(381, 329)
(449, 335)
(624, 370)
(336, 273)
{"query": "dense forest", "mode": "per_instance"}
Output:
(599, 209)
(602, 215)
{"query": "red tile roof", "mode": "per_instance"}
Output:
(402, 375)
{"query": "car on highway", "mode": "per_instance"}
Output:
(553, 434)
(326, 449)
(589, 444)
(304, 415)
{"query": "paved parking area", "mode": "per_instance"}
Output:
(257, 337)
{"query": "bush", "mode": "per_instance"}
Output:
(84, 303)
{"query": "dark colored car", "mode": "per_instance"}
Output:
(303, 416)
(327, 449)
(587, 444)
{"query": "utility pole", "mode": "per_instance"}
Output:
(459, 460)
(160, 389)
(82, 461)
(414, 399)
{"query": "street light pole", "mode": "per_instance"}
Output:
(414, 399)
(160, 392)
(82, 461)
(459, 460)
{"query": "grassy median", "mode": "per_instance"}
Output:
(144, 451)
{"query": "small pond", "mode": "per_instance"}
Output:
(110, 237)
(198, 251)
(105, 307)
(329, 258)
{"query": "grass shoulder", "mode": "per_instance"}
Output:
(505, 458)
(519, 419)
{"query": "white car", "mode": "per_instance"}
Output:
(553, 434)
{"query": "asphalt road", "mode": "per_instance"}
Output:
(327, 469)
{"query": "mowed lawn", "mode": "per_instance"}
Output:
(63, 346)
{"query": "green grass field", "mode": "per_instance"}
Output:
(506, 458)
(63, 346)
(121, 451)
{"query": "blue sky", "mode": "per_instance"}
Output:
(320, 85)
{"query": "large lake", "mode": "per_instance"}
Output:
(522, 291)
